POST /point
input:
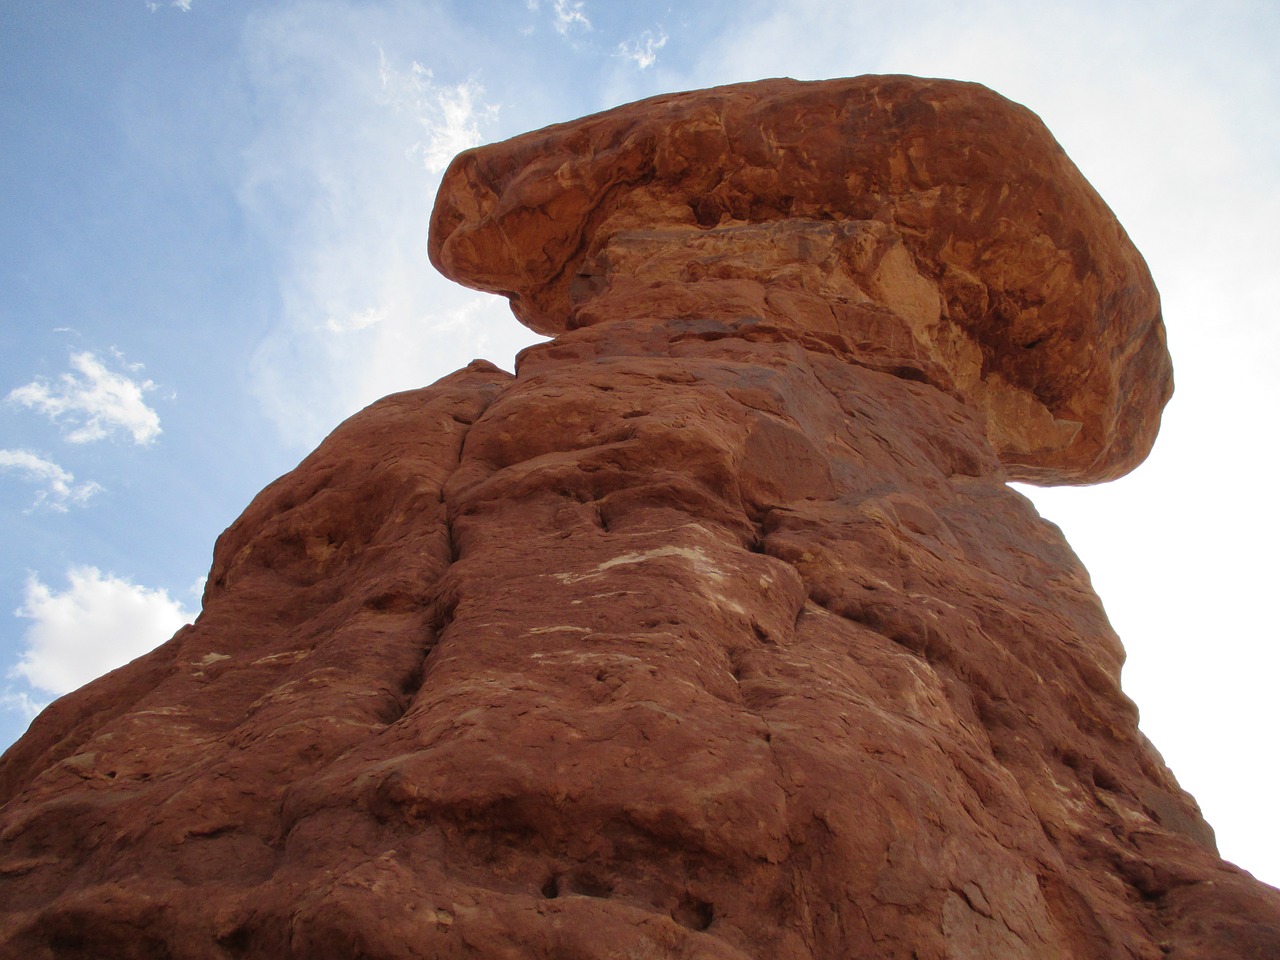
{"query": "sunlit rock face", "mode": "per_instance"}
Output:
(713, 632)
(931, 218)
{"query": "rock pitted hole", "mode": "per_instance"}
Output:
(67, 944)
(694, 913)
(736, 666)
(577, 885)
(551, 888)
(587, 885)
(237, 942)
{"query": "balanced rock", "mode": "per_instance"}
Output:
(713, 632)
(934, 219)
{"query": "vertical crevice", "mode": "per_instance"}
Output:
(451, 537)
(602, 518)
(442, 601)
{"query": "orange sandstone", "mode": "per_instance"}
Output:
(713, 632)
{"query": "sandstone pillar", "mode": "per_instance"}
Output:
(713, 632)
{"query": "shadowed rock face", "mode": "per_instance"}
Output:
(714, 632)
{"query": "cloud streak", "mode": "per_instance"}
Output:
(60, 487)
(449, 115)
(99, 622)
(341, 181)
(643, 51)
(569, 14)
(22, 703)
(93, 401)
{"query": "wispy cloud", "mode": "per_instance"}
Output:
(569, 15)
(450, 115)
(341, 181)
(643, 51)
(21, 702)
(361, 320)
(183, 5)
(99, 622)
(94, 401)
(59, 485)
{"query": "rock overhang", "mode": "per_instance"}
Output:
(937, 202)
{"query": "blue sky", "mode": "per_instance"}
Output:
(213, 217)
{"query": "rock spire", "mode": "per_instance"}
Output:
(715, 631)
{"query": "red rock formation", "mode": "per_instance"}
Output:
(944, 207)
(713, 632)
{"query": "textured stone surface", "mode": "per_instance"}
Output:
(714, 632)
(942, 201)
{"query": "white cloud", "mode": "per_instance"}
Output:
(183, 5)
(23, 703)
(569, 14)
(341, 181)
(60, 487)
(643, 51)
(361, 320)
(97, 624)
(94, 401)
(450, 115)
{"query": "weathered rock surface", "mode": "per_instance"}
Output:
(714, 632)
(939, 201)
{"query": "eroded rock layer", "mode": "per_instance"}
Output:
(942, 202)
(710, 633)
